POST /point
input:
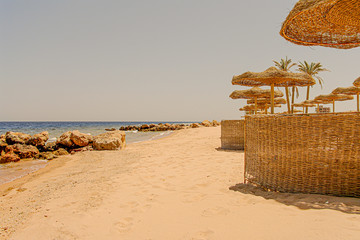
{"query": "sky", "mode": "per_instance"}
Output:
(140, 60)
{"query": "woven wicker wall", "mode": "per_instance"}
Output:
(232, 134)
(313, 153)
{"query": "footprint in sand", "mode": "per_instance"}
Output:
(201, 235)
(124, 225)
(193, 197)
(215, 212)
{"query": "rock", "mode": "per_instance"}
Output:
(23, 151)
(3, 143)
(38, 139)
(16, 137)
(206, 123)
(215, 123)
(110, 129)
(65, 140)
(194, 125)
(9, 157)
(144, 126)
(60, 152)
(47, 155)
(81, 139)
(83, 149)
(51, 146)
(110, 141)
(152, 125)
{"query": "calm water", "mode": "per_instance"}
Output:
(12, 171)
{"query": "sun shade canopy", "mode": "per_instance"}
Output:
(328, 23)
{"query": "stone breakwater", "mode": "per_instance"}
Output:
(15, 146)
(165, 127)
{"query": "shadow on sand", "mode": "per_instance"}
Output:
(303, 201)
(228, 150)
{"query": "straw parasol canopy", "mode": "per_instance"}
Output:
(277, 100)
(254, 93)
(356, 83)
(349, 91)
(328, 23)
(333, 97)
(304, 104)
(275, 78)
(251, 107)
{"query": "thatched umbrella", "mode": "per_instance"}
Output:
(251, 107)
(328, 23)
(304, 104)
(356, 83)
(317, 102)
(254, 93)
(266, 102)
(273, 77)
(349, 91)
(334, 97)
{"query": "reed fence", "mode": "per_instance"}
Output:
(307, 153)
(232, 134)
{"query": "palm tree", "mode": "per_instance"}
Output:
(285, 65)
(312, 69)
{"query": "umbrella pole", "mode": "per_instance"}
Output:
(318, 108)
(272, 98)
(292, 100)
(287, 99)
(303, 109)
(357, 97)
(333, 105)
(255, 105)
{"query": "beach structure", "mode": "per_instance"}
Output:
(275, 78)
(254, 93)
(356, 83)
(232, 134)
(307, 153)
(333, 98)
(349, 91)
(304, 104)
(328, 23)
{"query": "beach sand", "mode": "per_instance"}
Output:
(178, 187)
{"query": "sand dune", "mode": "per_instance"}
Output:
(178, 187)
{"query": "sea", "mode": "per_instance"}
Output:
(12, 171)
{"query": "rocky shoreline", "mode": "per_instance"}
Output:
(15, 146)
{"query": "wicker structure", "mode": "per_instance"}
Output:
(328, 23)
(307, 153)
(232, 134)
(333, 97)
(356, 83)
(349, 91)
(254, 93)
(275, 78)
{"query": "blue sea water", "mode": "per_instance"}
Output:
(12, 171)
(55, 129)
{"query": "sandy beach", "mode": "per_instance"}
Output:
(179, 187)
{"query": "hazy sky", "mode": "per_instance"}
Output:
(145, 60)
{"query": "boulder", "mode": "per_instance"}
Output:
(38, 139)
(47, 155)
(60, 152)
(16, 137)
(110, 141)
(9, 157)
(3, 142)
(110, 129)
(23, 151)
(144, 126)
(65, 140)
(82, 149)
(194, 125)
(215, 123)
(206, 123)
(81, 139)
(51, 146)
